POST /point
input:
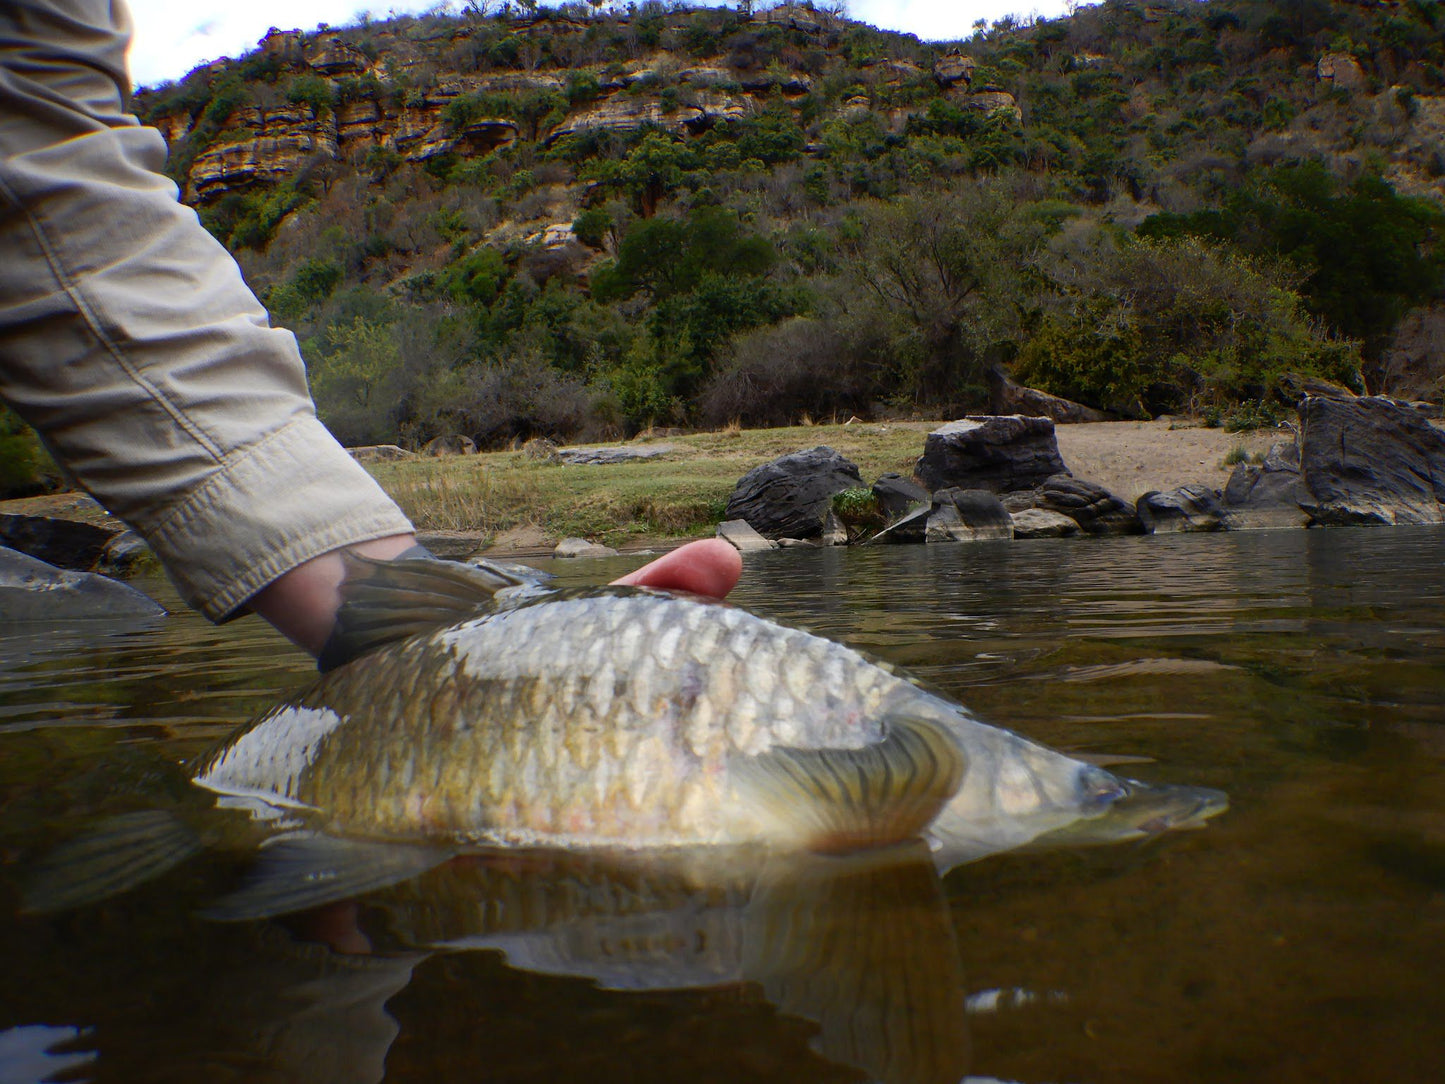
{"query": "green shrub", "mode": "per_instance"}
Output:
(25, 466)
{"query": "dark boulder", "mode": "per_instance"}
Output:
(64, 542)
(897, 496)
(792, 496)
(32, 590)
(1186, 509)
(997, 453)
(968, 515)
(1094, 508)
(1370, 460)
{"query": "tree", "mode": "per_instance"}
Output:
(1366, 254)
(935, 277)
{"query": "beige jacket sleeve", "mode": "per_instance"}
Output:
(130, 341)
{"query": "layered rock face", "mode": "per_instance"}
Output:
(398, 101)
(1370, 461)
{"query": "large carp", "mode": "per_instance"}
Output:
(488, 711)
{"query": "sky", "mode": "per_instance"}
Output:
(174, 36)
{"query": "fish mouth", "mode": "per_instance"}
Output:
(1167, 807)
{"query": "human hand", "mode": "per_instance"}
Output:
(708, 567)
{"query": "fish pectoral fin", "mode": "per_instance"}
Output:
(834, 800)
(297, 873)
(385, 601)
(112, 857)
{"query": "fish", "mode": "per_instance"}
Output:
(487, 709)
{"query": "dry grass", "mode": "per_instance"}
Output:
(682, 495)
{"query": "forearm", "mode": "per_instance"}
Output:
(132, 344)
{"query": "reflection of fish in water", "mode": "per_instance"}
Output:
(854, 956)
(488, 712)
(862, 946)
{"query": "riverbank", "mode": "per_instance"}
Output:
(507, 496)
(531, 504)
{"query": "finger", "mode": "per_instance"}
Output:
(709, 567)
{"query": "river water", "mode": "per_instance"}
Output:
(1298, 937)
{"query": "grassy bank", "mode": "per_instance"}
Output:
(679, 496)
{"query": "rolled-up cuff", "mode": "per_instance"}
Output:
(270, 506)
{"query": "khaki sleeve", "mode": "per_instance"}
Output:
(129, 339)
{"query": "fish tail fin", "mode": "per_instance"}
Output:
(386, 601)
(112, 857)
(835, 800)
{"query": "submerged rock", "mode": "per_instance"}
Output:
(32, 590)
(792, 496)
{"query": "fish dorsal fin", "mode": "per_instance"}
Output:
(836, 800)
(386, 601)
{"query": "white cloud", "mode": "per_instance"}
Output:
(945, 20)
(173, 36)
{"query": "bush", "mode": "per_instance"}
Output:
(1170, 326)
(774, 375)
(25, 466)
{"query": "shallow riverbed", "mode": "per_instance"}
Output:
(1299, 937)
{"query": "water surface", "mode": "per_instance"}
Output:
(1300, 937)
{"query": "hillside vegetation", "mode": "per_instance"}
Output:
(579, 222)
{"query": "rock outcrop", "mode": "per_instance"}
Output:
(999, 453)
(1190, 508)
(968, 515)
(603, 456)
(1266, 496)
(953, 69)
(1341, 71)
(1007, 397)
(1091, 506)
(1370, 460)
(791, 497)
